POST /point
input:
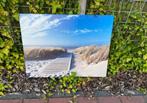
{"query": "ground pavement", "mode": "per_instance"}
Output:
(109, 99)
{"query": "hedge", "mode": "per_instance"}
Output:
(128, 46)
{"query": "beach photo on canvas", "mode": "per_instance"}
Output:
(56, 45)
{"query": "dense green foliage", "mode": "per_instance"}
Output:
(129, 41)
(128, 46)
(67, 84)
(11, 53)
(11, 56)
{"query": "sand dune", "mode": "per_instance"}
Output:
(86, 61)
(93, 54)
(43, 53)
(91, 70)
(91, 61)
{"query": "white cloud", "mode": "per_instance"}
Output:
(89, 30)
(29, 21)
(85, 30)
(81, 31)
(70, 16)
(31, 24)
(39, 34)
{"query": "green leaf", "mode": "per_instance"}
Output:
(145, 57)
(1, 43)
(16, 16)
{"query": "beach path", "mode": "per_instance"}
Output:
(59, 66)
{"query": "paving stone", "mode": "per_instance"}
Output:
(109, 99)
(10, 101)
(35, 101)
(87, 100)
(145, 99)
(132, 99)
(60, 100)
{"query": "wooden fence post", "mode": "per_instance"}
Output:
(83, 6)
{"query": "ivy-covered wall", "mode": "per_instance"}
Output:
(128, 46)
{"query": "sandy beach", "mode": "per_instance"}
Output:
(92, 70)
(33, 67)
(89, 61)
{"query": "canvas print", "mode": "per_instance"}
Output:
(56, 45)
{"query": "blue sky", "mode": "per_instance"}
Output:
(66, 30)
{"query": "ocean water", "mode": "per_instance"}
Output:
(57, 46)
